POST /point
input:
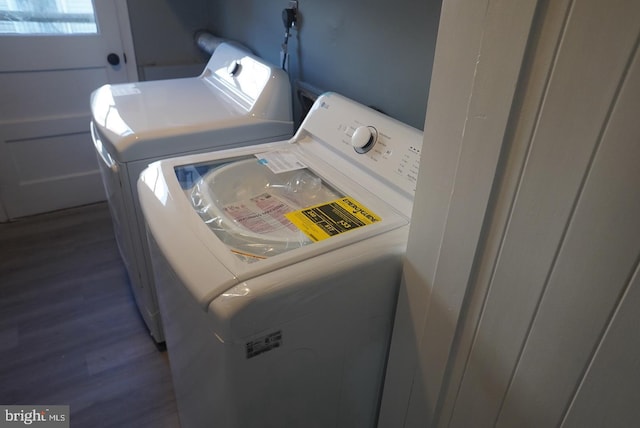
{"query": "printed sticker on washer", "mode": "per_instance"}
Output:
(262, 214)
(332, 218)
(280, 161)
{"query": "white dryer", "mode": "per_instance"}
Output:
(278, 267)
(238, 100)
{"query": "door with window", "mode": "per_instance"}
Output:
(55, 53)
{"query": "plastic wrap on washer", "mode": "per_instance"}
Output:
(244, 203)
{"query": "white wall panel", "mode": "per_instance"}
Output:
(548, 295)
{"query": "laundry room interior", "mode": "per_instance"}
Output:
(503, 249)
(327, 50)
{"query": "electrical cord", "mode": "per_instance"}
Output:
(285, 46)
(289, 19)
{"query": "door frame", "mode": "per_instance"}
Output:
(124, 23)
(480, 54)
(490, 56)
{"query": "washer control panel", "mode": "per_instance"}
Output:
(385, 146)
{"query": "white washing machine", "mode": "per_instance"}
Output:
(278, 267)
(238, 100)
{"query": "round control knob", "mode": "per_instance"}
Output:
(364, 138)
(234, 68)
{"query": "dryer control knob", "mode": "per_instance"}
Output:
(234, 68)
(364, 138)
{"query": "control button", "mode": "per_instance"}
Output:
(364, 138)
(233, 69)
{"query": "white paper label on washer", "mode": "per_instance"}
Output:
(262, 214)
(280, 161)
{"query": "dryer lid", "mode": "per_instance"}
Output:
(235, 90)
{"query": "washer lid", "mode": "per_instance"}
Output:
(235, 90)
(258, 213)
(233, 219)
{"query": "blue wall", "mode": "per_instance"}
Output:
(377, 52)
(163, 32)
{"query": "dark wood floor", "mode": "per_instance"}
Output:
(70, 333)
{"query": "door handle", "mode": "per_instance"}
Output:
(113, 59)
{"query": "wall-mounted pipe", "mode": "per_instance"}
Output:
(208, 43)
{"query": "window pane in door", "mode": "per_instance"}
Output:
(49, 17)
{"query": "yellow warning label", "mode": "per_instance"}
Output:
(332, 218)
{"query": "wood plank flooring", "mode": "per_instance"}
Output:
(70, 333)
